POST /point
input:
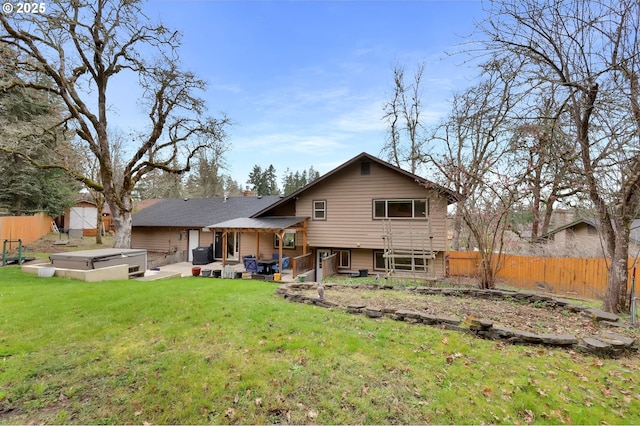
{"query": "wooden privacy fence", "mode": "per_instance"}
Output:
(581, 277)
(25, 228)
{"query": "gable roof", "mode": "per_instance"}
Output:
(200, 212)
(587, 221)
(451, 196)
(634, 234)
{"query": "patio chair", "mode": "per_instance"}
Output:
(285, 264)
(251, 265)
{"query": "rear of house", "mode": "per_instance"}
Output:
(175, 227)
(368, 211)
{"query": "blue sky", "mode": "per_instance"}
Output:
(305, 81)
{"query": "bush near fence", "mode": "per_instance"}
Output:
(25, 228)
(578, 277)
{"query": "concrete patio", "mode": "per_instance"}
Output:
(184, 269)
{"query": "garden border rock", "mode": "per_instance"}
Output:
(605, 344)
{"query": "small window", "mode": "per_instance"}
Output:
(378, 260)
(365, 168)
(344, 258)
(320, 210)
(288, 239)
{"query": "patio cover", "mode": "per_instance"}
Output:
(274, 224)
(262, 224)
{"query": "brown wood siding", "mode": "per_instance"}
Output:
(286, 209)
(206, 238)
(265, 249)
(364, 259)
(349, 218)
(160, 239)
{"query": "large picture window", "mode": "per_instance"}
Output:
(416, 263)
(400, 209)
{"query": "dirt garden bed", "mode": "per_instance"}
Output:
(485, 313)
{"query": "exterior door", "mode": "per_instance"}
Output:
(194, 242)
(232, 248)
(217, 245)
(321, 254)
(233, 245)
(83, 217)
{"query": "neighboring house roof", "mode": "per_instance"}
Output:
(634, 235)
(200, 212)
(587, 221)
(450, 195)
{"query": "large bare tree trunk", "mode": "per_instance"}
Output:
(72, 53)
(615, 299)
(99, 220)
(122, 219)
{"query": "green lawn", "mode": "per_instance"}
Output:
(198, 350)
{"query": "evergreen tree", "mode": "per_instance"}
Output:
(256, 181)
(271, 181)
(291, 182)
(231, 187)
(27, 189)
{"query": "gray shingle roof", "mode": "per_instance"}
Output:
(200, 212)
(282, 222)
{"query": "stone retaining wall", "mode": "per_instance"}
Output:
(605, 344)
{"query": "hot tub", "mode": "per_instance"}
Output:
(95, 259)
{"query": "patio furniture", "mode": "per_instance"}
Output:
(285, 264)
(251, 265)
(267, 265)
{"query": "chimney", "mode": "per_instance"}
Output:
(247, 192)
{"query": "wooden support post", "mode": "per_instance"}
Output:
(304, 237)
(224, 248)
(280, 236)
(257, 244)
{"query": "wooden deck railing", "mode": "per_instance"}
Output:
(329, 266)
(302, 264)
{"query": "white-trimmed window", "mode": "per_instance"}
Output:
(319, 210)
(416, 263)
(288, 239)
(417, 208)
(344, 258)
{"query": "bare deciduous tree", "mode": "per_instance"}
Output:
(468, 144)
(74, 51)
(403, 113)
(591, 50)
(546, 153)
